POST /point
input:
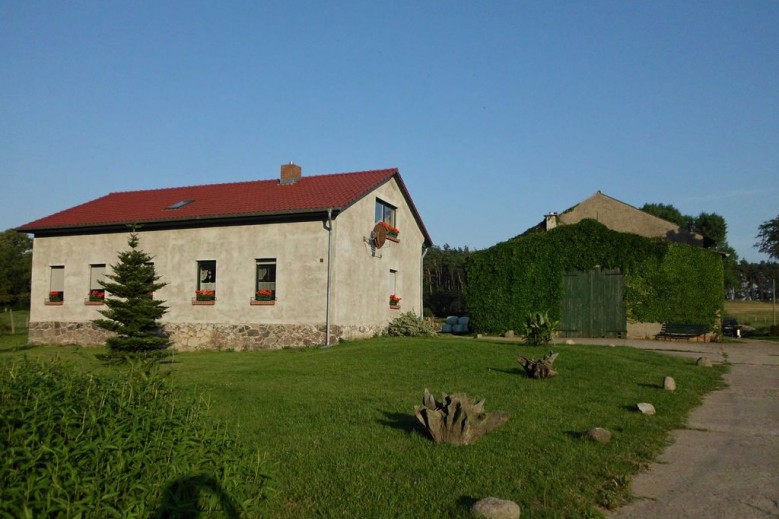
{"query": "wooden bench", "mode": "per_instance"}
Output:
(682, 331)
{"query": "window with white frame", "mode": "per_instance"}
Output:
(385, 212)
(57, 283)
(96, 275)
(206, 280)
(265, 279)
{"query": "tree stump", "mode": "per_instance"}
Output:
(456, 420)
(541, 368)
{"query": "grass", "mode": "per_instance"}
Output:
(758, 314)
(337, 425)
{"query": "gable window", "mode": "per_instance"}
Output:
(206, 281)
(265, 280)
(96, 275)
(57, 284)
(385, 212)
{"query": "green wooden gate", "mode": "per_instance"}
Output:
(594, 304)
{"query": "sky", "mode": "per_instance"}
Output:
(495, 112)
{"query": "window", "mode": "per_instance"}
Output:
(57, 284)
(179, 205)
(206, 280)
(385, 213)
(96, 275)
(265, 284)
(394, 300)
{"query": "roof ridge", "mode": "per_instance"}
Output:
(193, 186)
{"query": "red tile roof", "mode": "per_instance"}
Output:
(223, 201)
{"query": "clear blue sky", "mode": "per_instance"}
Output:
(495, 112)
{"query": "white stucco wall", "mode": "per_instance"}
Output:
(360, 281)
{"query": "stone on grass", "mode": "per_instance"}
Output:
(494, 508)
(570, 342)
(598, 434)
(646, 408)
(509, 334)
(669, 384)
(703, 361)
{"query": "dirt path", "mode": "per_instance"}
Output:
(725, 464)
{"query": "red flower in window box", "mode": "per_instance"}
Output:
(391, 231)
(394, 300)
(264, 295)
(205, 295)
(97, 295)
(55, 297)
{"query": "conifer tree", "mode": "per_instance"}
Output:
(133, 312)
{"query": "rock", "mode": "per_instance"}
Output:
(669, 384)
(598, 434)
(569, 342)
(703, 361)
(646, 408)
(494, 508)
(509, 334)
(479, 336)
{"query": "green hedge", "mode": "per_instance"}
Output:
(81, 445)
(665, 282)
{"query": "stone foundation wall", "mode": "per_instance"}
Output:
(643, 330)
(208, 336)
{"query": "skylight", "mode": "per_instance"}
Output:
(179, 205)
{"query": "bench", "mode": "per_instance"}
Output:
(682, 331)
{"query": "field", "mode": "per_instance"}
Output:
(757, 314)
(337, 431)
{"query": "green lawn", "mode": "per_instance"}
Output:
(337, 428)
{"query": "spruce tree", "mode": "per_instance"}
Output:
(133, 312)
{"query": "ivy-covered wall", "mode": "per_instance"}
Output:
(665, 282)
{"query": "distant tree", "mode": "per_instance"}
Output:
(713, 228)
(15, 268)
(444, 280)
(768, 236)
(133, 313)
(670, 213)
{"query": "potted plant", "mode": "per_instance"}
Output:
(97, 295)
(205, 295)
(394, 301)
(264, 295)
(56, 297)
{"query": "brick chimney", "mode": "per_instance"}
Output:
(290, 173)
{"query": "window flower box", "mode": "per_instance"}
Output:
(204, 297)
(392, 232)
(264, 297)
(96, 296)
(394, 302)
(55, 298)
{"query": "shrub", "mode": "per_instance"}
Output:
(409, 324)
(540, 328)
(81, 445)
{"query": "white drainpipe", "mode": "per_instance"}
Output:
(329, 274)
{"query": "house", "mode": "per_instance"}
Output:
(621, 217)
(616, 271)
(248, 265)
